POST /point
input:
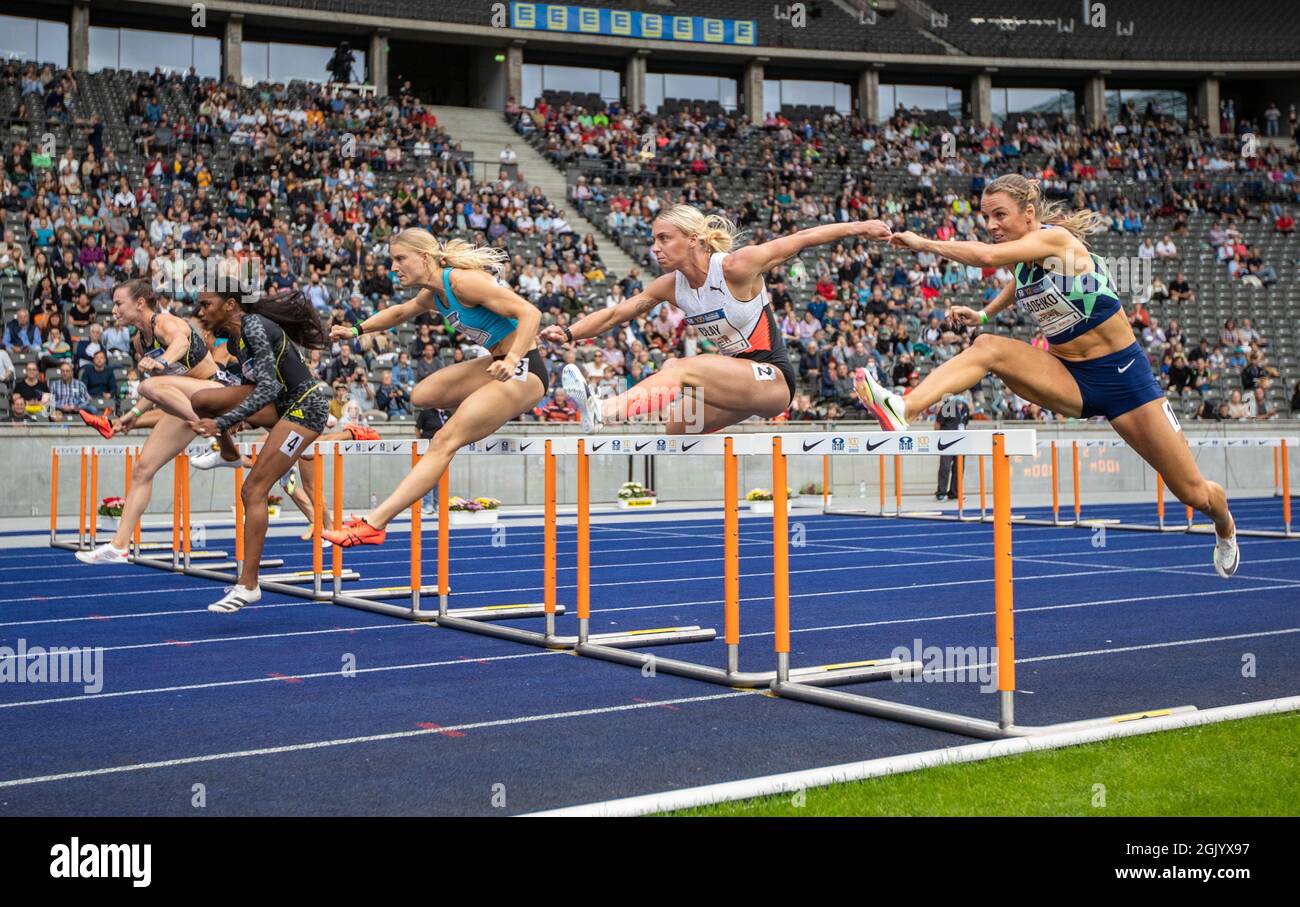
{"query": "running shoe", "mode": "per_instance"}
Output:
(98, 423)
(583, 397)
(235, 598)
(289, 482)
(213, 460)
(355, 531)
(888, 406)
(104, 554)
(1227, 556)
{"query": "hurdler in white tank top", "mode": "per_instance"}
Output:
(733, 326)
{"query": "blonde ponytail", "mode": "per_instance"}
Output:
(454, 253)
(716, 233)
(1080, 223)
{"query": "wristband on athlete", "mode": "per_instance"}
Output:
(567, 333)
(135, 412)
(984, 317)
(357, 329)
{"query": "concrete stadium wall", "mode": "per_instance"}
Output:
(519, 480)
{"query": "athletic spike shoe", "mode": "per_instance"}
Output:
(98, 423)
(104, 554)
(888, 406)
(212, 459)
(1227, 556)
(355, 531)
(289, 482)
(235, 598)
(583, 397)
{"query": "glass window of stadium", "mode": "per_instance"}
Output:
(660, 86)
(1163, 102)
(37, 40)
(778, 93)
(1051, 103)
(539, 78)
(264, 61)
(927, 98)
(136, 49)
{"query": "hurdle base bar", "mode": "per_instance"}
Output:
(483, 612)
(951, 722)
(659, 636)
(817, 675)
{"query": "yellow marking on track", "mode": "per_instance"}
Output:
(1134, 716)
(506, 607)
(654, 630)
(849, 664)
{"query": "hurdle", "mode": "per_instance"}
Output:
(728, 447)
(1001, 446)
(548, 638)
(1280, 445)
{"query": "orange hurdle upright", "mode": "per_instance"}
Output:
(731, 555)
(961, 497)
(983, 502)
(584, 542)
(882, 484)
(781, 562)
(898, 485)
(54, 495)
(94, 494)
(81, 530)
(1160, 501)
(1003, 605)
(1056, 497)
(1286, 487)
(415, 539)
(1077, 494)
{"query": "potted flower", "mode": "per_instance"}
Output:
(760, 499)
(814, 490)
(474, 511)
(110, 513)
(634, 494)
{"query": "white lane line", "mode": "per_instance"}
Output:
(89, 697)
(370, 738)
(181, 643)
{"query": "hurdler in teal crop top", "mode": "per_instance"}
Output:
(478, 324)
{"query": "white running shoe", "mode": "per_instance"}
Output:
(583, 397)
(888, 406)
(289, 482)
(104, 554)
(236, 597)
(1227, 556)
(212, 459)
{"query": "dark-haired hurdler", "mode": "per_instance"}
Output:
(176, 364)
(1094, 367)
(278, 393)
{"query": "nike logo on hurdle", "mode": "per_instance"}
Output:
(490, 446)
(643, 444)
(943, 446)
(807, 446)
(871, 446)
(1125, 368)
(686, 447)
(523, 447)
(599, 446)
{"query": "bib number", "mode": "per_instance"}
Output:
(764, 372)
(291, 443)
(1169, 414)
(1053, 312)
(715, 328)
(521, 370)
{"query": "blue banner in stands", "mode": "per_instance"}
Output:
(628, 24)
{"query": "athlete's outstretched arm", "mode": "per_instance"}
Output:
(388, 318)
(745, 264)
(1034, 246)
(597, 323)
(175, 335)
(267, 389)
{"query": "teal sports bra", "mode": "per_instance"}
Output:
(477, 324)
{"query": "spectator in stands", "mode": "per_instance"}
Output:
(1295, 391)
(1284, 224)
(68, 394)
(1258, 408)
(1180, 290)
(1236, 406)
(7, 374)
(391, 398)
(101, 384)
(1166, 248)
(558, 409)
(18, 409)
(21, 335)
(33, 389)
(55, 350)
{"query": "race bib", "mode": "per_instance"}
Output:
(1169, 414)
(291, 444)
(1053, 312)
(172, 368)
(521, 370)
(764, 372)
(715, 328)
(473, 335)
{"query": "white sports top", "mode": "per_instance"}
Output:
(733, 326)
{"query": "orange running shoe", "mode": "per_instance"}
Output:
(98, 423)
(355, 531)
(363, 433)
